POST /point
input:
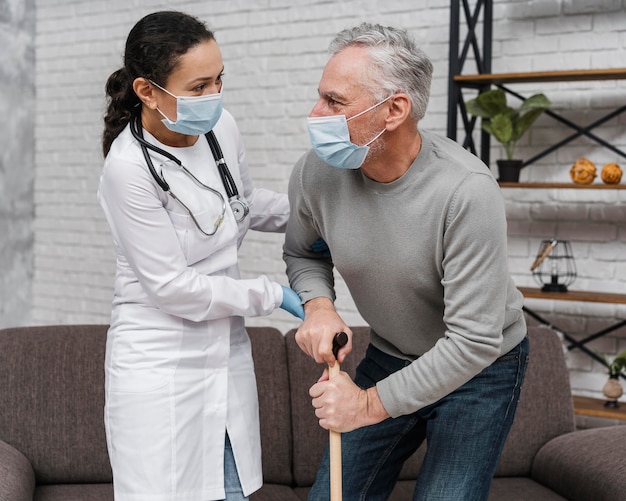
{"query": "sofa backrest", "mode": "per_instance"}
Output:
(545, 409)
(52, 399)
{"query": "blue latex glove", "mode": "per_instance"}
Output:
(292, 303)
(320, 247)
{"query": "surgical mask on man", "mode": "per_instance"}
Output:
(195, 115)
(330, 138)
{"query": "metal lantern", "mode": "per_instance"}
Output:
(554, 268)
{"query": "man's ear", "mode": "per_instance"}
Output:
(399, 111)
(145, 92)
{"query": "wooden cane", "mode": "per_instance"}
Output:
(334, 437)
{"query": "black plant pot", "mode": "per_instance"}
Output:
(509, 170)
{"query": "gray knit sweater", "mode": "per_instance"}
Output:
(424, 257)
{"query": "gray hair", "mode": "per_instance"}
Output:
(398, 64)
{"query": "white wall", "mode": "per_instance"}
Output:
(17, 160)
(274, 51)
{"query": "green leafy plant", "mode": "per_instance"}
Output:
(617, 365)
(503, 122)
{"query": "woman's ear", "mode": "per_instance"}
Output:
(145, 92)
(399, 111)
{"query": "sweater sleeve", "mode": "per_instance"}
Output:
(475, 280)
(310, 274)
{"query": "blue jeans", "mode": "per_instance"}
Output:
(232, 486)
(465, 432)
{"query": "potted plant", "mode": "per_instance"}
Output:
(507, 124)
(613, 388)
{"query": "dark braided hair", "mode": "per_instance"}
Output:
(153, 49)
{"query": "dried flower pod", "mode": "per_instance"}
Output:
(611, 173)
(583, 171)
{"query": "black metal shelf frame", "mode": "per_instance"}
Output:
(481, 17)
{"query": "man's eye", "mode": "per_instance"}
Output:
(219, 77)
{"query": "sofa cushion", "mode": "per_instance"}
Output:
(587, 464)
(52, 394)
(17, 479)
(521, 489)
(502, 489)
(545, 409)
(270, 365)
(76, 492)
(273, 492)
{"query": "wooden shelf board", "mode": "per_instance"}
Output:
(573, 186)
(584, 296)
(594, 407)
(543, 76)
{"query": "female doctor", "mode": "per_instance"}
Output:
(181, 411)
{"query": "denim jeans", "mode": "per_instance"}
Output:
(465, 432)
(232, 486)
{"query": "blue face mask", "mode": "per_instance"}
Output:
(330, 138)
(195, 115)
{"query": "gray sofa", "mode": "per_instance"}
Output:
(52, 443)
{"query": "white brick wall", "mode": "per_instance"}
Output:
(274, 52)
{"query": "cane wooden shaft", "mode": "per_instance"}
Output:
(335, 452)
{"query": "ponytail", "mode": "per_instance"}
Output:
(121, 101)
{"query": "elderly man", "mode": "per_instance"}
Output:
(416, 226)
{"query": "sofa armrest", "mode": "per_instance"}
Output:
(585, 464)
(17, 478)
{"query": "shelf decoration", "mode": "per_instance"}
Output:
(507, 124)
(554, 268)
(613, 389)
(583, 171)
(611, 173)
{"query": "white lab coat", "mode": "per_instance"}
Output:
(179, 370)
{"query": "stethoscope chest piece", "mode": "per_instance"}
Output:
(239, 207)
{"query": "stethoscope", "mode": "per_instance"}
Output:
(239, 206)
